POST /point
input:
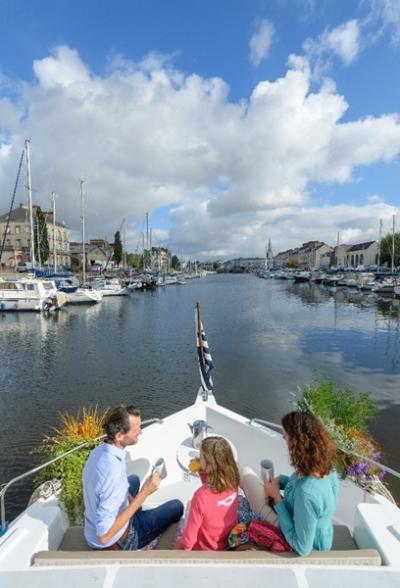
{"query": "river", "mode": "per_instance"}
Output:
(267, 338)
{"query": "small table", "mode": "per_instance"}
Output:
(186, 452)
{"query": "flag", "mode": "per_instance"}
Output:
(205, 359)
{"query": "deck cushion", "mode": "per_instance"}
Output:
(162, 557)
(75, 551)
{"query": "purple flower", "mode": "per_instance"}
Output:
(382, 474)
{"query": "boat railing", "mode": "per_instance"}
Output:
(381, 466)
(6, 486)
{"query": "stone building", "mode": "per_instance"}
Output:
(362, 254)
(18, 238)
(160, 259)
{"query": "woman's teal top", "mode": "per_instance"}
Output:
(305, 513)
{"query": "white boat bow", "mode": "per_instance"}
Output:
(40, 549)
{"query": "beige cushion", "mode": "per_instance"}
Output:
(75, 551)
(74, 539)
(153, 557)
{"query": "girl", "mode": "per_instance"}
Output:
(214, 506)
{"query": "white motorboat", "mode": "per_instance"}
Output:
(85, 296)
(30, 294)
(40, 548)
(110, 287)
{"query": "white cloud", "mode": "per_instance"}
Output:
(342, 42)
(260, 42)
(383, 17)
(148, 136)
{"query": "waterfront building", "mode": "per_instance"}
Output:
(160, 259)
(18, 238)
(308, 256)
(98, 253)
(362, 254)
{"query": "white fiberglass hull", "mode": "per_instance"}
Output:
(41, 527)
(83, 296)
(17, 304)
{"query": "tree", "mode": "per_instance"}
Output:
(117, 257)
(134, 260)
(41, 241)
(175, 263)
(386, 249)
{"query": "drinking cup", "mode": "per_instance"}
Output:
(267, 470)
(160, 467)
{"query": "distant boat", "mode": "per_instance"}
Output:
(30, 294)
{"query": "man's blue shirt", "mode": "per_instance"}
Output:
(105, 492)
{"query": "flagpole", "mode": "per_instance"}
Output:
(200, 338)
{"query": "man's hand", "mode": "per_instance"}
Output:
(151, 484)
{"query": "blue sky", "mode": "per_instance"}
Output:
(218, 117)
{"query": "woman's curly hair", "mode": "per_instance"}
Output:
(221, 469)
(311, 448)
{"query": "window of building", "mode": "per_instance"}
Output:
(17, 229)
(18, 242)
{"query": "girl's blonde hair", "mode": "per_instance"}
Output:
(221, 469)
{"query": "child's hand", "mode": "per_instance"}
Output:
(194, 465)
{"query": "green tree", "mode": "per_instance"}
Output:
(386, 249)
(117, 257)
(41, 240)
(175, 263)
(134, 260)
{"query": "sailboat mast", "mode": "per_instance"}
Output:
(30, 207)
(53, 198)
(83, 230)
(393, 231)
(379, 244)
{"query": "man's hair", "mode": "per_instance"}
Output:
(222, 471)
(117, 421)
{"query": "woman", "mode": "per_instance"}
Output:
(304, 513)
(214, 506)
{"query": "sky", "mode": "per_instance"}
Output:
(231, 122)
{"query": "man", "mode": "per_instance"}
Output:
(114, 518)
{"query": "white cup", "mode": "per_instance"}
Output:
(160, 467)
(267, 470)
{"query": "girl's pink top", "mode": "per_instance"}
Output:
(212, 516)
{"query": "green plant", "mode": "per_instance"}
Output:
(345, 414)
(345, 407)
(86, 426)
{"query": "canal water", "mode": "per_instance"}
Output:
(267, 337)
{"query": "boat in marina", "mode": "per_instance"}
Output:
(84, 296)
(40, 548)
(30, 294)
(109, 287)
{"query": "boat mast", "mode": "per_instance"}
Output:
(393, 230)
(83, 230)
(29, 188)
(53, 198)
(379, 243)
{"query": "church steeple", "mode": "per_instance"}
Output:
(269, 256)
